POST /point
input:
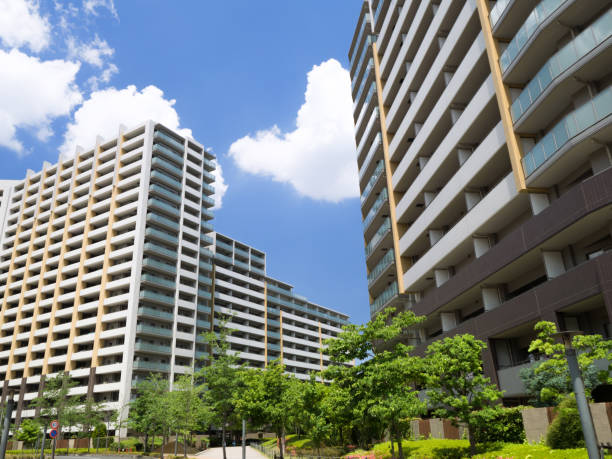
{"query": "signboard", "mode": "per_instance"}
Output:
(53, 433)
(54, 424)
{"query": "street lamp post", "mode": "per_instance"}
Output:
(586, 419)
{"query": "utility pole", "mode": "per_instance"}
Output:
(10, 406)
(243, 438)
(586, 420)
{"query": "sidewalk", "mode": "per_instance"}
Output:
(233, 452)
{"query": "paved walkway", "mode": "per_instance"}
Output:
(233, 452)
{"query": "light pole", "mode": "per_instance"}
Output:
(586, 420)
(10, 405)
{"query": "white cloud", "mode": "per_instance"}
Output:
(106, 109)
(21, 24)
(91, 6)
(220, 187)
(94, 52)
(33, 93)
(318, 157)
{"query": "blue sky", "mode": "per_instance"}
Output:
(235, 74)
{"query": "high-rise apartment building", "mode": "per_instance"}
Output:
(269, 320)
(484, 132)
(110, 270)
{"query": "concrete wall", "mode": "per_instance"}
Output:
(537, 420)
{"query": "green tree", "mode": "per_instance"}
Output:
(457, 386)
(29, 431)
(222, 379)
(314, 415)
(56, 403)
(187, 408)
(548, 381)
(147, 414)
(267, 398)
(382, 388)
(91, 413)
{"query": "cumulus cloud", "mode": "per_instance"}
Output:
(21, 24)
(220, 187)
(318, 157)
(33, 93)
(106, 109)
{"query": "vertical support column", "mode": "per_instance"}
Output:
(388, 171)
(503, 98)
(83, 257)
(61, 262)
(553, 263)
(482, 244)
(449, 320)
(441, 275)
(320, 345)
(265, 323)
(491, 297)
(538, 202)
(280, 319)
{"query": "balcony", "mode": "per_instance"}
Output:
(157, 297)
(156, 280)
(383, 230)
(154, 331)
(151, 366)
(564, 132)
(165, 179)
(381, 300)
(372, 153)
(158, 265)
(145, 311)
(167, 167)
(378, 171)
(567, 57)
(161, 236)
(162, 221)
(170, 141)
(153, 348)
(381, 267)
(382, 199)
(165, 207)
(168, 153)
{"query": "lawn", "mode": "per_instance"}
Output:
(459, 449)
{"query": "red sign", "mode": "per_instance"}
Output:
(54, 424)
(53, 433)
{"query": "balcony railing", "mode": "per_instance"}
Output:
(151, 312)
(382, 198)
(147, 347)
(155, 233)
(383, 298)
(161, 205)
(151, 330)
(366, 163)
(498, 10)
(156, 280)
(538, 15)
(166, 222)
(567, 56)
(159, 297)
(169, 140)
(385, 227)
(364, 26)
(166, 166)
(166, 180)
(147, 261)
(571, 125)
(171, 195)
(168, 153)
(380, 267)
(152, 366)
(380, 167)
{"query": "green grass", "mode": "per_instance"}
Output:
(460, 449)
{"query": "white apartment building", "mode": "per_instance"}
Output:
(484, 151)
(271, 322)
(108, 271)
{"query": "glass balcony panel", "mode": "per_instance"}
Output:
(168, 153)
(380, 233)
(151, 312)
(380, 167)
(155, 296)
(166, 180)
(166, 166)
(153, 366)
(383, 264)
(171, 141)
(147, 347)
(150, 329)
(153, 232)
(147, 261)
(384, 298)
(158, 281)
(603, 27)
(573, 124)
(159, 204)
(384, 196)
(171, 195)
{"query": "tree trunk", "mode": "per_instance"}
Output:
(283, 442)
(223, 439)
(146, 442)
(185, 443)
(392, 447)
(161, 455)
(175, 443)
(472, 441)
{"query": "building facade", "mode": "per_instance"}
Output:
(483, 131)
(108, 270)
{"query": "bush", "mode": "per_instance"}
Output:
(499, 425)
(565, 430)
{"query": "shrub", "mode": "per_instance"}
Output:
(565, 430)
(499, 424)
